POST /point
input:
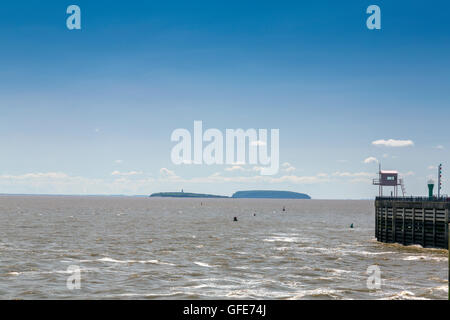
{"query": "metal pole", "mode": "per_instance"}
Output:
(439, 180)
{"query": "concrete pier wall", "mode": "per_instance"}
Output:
(412, 221)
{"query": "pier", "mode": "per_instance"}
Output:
(413, 220)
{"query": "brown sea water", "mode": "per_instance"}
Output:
(160, 248)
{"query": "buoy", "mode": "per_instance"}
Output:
(284, 208)
(351, 226)
(235, 219)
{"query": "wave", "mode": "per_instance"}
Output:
(319, 292)
(203, 264)
(282, 239)
(404, 295)
(424, 258)
(107, 259)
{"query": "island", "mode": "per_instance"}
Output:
(185, 195)
(270, 194)
(250, 194)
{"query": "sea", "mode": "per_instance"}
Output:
(107, 247)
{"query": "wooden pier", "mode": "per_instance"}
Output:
(410, 221)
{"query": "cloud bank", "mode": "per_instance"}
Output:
(392, 143)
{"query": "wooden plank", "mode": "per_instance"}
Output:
(403, 226)
(413, 224)
(394, 216)
(423, 227)
(376, 221)
(447, 237)
(386, 224)
(434, 227)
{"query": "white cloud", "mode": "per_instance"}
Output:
(235, 168)
(393, 143)
(62, 183)
(287, 167)
(440, 147)
(300, 179)
(432, 167)
(355, 177)
(168, 174)
(36, 176)
(371, 160)
(130, 173)
(118, 161)
(353, 174)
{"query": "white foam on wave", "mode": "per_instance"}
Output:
(282, 248)
(424, 258)
(254, 293)
(149, 295)
(332, 293)
(242, 267)
(404, 295)
(337, 271)
(281, 239)
(106, 259)
(441, 288)
(203, 264)
(16, 273)
(367, 253)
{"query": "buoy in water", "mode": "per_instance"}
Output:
(351, 226)
(284, 208)
(235, 219)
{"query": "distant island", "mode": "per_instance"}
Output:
(185, 195)
(270, 194)
(251, 194)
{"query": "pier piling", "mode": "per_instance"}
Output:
(410, 221)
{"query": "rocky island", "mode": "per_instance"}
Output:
(270, 194)
(250, 194)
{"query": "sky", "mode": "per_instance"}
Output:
(91, 111)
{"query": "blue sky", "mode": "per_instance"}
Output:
(92, 110)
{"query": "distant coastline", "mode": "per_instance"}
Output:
(249, 194)
(185, 195)
(270, 194)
